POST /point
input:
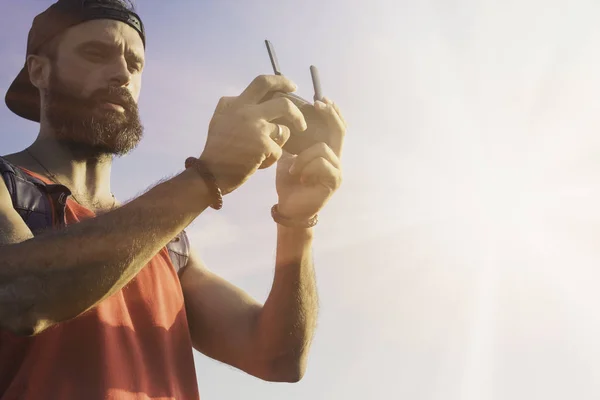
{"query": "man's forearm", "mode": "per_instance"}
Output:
(287, 321)
(58, 275)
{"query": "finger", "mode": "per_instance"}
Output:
(263, 84)
(272, 154)
(321, 171)
(327, 100)
(224, 103)
(281, 108)
(335, 125)
(280, 134)
(319, 150)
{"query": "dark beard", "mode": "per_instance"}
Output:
(87, 130)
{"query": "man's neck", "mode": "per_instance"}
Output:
(86, 174)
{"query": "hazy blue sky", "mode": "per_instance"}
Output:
(460, 258)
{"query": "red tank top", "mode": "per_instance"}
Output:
(133, 345)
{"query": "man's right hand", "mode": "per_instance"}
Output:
(241, 131)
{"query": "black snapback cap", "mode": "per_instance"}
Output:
(22, 97)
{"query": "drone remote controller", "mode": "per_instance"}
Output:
(317, 128)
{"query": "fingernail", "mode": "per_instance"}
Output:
(320, 105)
(291, 171)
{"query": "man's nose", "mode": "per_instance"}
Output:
(120, 75)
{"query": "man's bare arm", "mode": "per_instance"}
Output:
(59, 275)
(287, 322)
(270, 342)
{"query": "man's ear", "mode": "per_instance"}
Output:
(39, 70)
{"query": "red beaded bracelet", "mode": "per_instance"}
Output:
(210, 180)
(292, 223)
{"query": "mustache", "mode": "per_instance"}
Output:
(67, 99)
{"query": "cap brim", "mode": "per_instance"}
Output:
(23, 98)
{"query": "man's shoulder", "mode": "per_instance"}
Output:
(7, 164)
(14, 159)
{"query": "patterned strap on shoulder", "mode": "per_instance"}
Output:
(179, 251)
(29, 197)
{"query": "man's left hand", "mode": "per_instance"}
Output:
(306, 182)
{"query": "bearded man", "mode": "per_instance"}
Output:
(93, 302)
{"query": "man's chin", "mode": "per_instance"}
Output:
(97, 132)
(98, 137)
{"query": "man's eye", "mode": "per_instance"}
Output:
(94, 54)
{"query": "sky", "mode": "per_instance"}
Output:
(459, 258)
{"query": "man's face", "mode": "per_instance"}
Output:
(94, 86)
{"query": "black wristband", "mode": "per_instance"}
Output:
(292, 223)
(209, 178)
